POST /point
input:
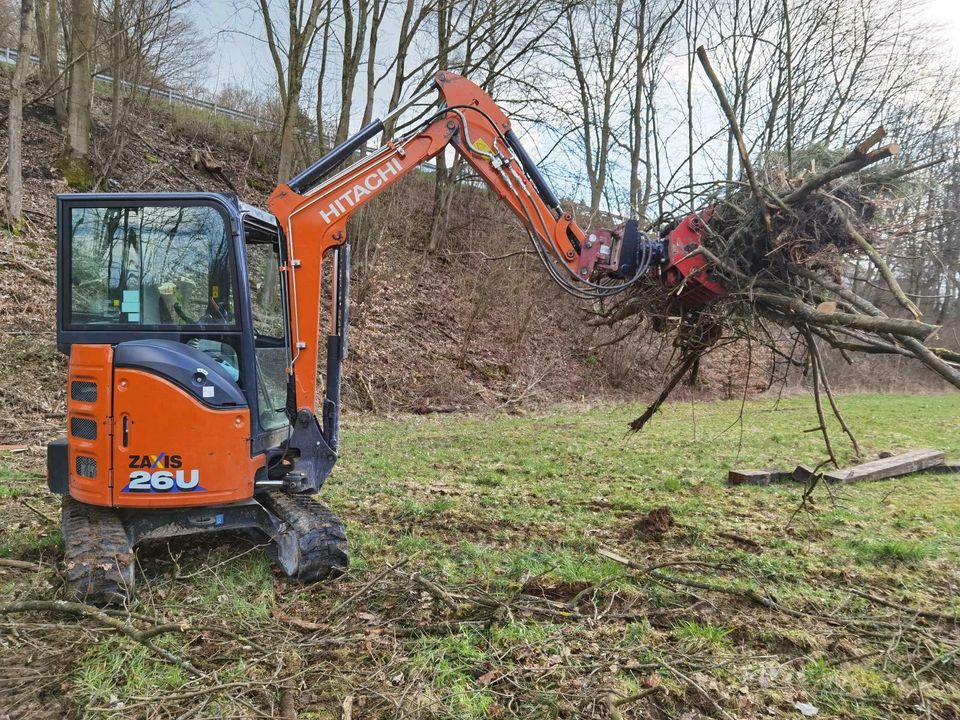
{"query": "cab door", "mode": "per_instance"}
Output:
(154, 277)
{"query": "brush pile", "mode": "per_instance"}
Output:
(780, 246)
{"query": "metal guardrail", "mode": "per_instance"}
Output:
(10, 55)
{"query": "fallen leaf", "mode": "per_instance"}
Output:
(295, 621)
(488, 677)
(806, 709)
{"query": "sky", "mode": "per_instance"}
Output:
(239, 56)
(946, 14)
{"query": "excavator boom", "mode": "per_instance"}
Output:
(313, 209)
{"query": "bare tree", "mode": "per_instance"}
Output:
(492, 42)
(289, 61)
(353, 43)
(8, 24)
(145, 44)
(48, 45)
(75, 160)
(15, 116)
(652, 25)
(415, 14)
(116, 62)
(376, 19)
(590, 38)
(326, 24)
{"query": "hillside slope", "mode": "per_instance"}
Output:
(463, 328)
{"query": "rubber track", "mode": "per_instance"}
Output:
(321, 537)
(98, 560)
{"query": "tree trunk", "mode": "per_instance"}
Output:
(287, 138)
(321, 77)
(352, 51)
(444, 176)
(409, 25)
(300, 32)
(48, 47)
(116, 59)
(379, 10)
(15, 119)
(77, 151)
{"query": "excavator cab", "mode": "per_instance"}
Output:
(171, 309)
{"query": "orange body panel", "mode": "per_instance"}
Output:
(315, 223)
(89, 382)
(177, 452)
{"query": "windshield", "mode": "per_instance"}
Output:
(150, 265)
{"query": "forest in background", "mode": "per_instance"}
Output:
(608, 95)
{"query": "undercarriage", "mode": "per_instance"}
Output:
(302, 536)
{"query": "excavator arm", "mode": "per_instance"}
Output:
(313, 208)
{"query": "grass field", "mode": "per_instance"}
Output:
(477, 589)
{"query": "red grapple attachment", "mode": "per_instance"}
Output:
(690, 273)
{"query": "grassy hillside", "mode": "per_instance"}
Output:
(477, 589)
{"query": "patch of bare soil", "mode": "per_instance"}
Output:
(655, 524)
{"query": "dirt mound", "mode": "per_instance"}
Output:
(655, 524)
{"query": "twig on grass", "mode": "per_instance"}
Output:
(613, 702)
(377, 578)
(79, 609)
(38, 512)
(931, 614)
(19, 564)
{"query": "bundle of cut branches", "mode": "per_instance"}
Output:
(779, 246)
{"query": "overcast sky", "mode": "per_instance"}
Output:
(239, 56)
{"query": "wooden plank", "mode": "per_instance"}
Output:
(902, 464)
(756, 477)
(803, 473)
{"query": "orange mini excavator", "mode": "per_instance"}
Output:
(192, 324)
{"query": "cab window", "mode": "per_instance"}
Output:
(269, 324)
(161, 266)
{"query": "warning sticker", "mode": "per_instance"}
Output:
(481, 145)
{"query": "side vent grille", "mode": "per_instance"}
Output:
(86, 466)
(83, 428)
(83, 390)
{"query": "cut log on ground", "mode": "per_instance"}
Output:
(803, 473)
(758, 477)
(884, 468)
